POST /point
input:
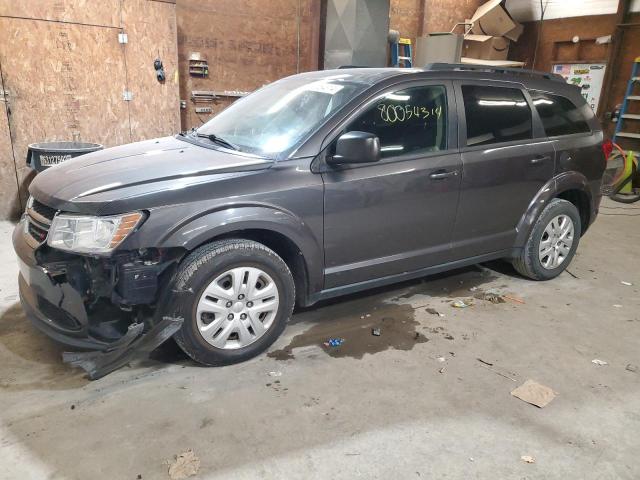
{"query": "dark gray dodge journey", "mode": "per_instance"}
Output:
(317, 185)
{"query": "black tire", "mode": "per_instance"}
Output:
(528, 263)
(203, 265)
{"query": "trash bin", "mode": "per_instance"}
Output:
(41, 156)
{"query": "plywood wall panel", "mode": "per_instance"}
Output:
(94, 12)
(9, 203)
(247, 44)
(58, 88)
(406, 16)
(151, 28)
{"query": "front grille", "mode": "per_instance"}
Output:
(39, 218)
(37, 232)
(43, 210)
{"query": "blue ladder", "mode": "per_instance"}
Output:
(629, 96)
(401, 53)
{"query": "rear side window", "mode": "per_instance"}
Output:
(559, 115)
(495, 115)
(413, 120)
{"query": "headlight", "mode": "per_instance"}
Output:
(86, 234)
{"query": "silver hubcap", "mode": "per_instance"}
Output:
(556, 242)
(237, 308)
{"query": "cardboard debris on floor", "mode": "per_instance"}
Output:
(185, 465)
(534, 393)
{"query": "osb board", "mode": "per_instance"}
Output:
(9, 204)
(66, 84)
(247, 43)
(94, 12)
(406, 16)
(151, 28)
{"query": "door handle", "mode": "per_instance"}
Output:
(441, 174)
(539, 159)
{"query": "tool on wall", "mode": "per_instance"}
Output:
(160, 75)
(198, 66)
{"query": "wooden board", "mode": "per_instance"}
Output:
(10, 206)
(155, 108)
(67, 72)
(58, 89)
(93, 12)
(246, 43)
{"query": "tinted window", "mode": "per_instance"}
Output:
(559, 115)
(495, 114)
(412, 120)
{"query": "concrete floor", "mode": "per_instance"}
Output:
(417, 409)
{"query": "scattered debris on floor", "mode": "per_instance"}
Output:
(441, 359)
(275, 374)
(597, 361)
(534, 393)
(433, 311)
(442, 370)
(617, 305)
(398, 331)
(489, 366)
(461, 303)
(628, 284)
(490, 296)
(185, 465)
(528, 459)
(334, 342)
(631, 367)
(375, 332)
(515, 299)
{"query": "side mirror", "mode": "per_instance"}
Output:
(356, 147)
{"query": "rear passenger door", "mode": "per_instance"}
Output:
(506, 160)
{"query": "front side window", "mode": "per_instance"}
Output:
(559, 115)
(495, 115)
(409, 121)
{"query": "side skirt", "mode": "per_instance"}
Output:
(401, 277)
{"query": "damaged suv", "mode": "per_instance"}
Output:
(317, 185)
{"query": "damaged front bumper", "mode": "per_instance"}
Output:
(82, 303)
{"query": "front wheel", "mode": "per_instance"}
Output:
(552, 243)
(235, 296)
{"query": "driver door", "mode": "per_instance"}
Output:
(395, 215)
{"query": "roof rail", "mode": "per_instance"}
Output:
(491, 69)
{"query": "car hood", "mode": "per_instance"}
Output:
(84, 183)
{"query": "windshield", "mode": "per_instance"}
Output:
(276, 117)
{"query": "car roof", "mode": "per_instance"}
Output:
(529, 78)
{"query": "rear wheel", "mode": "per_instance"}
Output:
(235, 297)
(552, 242)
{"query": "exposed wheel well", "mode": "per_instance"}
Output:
(285, 248)
(581, 201)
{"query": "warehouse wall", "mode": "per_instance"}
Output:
(66, 72)
(419, 17)
(562, 29)
(246, 43)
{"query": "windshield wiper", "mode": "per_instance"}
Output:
(219, 140)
